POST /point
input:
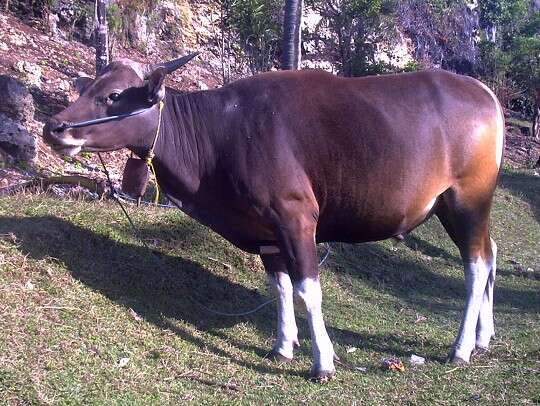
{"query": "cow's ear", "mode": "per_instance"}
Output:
(81, 83)
(154, 85)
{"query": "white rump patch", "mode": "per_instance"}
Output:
(500, 126)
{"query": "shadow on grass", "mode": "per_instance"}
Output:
(417, 244)
(417, 282)
(160, 287)
(525, 187)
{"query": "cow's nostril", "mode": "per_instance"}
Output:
(56, 126)
(59, 128)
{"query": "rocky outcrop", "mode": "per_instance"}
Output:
(16, 141)
(165, 21)
(16, 102)
(16, 116)
(30, 72)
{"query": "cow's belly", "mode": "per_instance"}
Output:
(344, 220)
(376, 219)
(364, 228)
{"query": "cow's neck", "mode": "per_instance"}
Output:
(185, 150)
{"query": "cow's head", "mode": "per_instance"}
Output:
(123, 87)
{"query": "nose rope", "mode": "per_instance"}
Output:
(102, 120)
(150, 156)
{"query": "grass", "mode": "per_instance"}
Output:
(88, 315)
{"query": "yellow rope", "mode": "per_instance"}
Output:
(151, 154)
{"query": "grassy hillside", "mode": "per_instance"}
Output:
(88, 315)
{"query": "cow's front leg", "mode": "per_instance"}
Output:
(297, 225)
(309, 290)
(287, 335)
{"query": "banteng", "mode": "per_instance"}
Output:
(278, 162)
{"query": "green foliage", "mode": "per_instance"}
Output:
(510, 51)
(257, 24)
(351, 31)
(32, 8)
(505, 13)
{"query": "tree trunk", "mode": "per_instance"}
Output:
(536, 124)
(536, 116)
(292, 34)
(101, 36)
(6, 7)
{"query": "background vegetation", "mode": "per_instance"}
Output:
(495, 40)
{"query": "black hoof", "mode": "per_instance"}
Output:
(277, 357)
(480, 351)
(455, 360)
(322, 376)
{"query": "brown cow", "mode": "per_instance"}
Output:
(280, 161)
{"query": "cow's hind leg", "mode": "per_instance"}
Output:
(287, 335)
(466, 219)
(485, 328)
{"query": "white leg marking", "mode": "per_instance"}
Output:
(309, 290)
(476, 275)
(500, 126)
(485, 328)
(287, 336)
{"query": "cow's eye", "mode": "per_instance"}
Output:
(114, 96)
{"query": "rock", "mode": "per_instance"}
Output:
(417, 360)
(63, 85)
(17, 40)
(32, 72)
(16, 141)
(17, 102)
(139, 33)
(16, 118)
(175, 21)
(3, 46)
(201, 85)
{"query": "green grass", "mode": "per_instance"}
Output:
(78, 293)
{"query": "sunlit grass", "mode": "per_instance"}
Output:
(88, 315)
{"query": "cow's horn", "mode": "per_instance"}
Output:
(173, 65)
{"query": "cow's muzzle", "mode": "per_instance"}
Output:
(61, 140)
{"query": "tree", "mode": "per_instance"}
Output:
(292, 35)
(101, 36)
(350, 32)
(257, 26)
